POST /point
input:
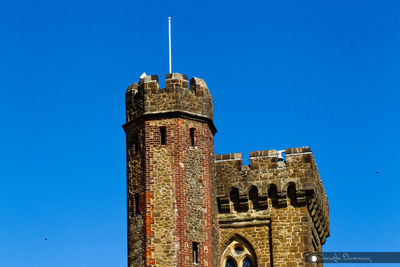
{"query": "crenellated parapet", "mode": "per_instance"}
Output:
(286, 177)
(179, 98)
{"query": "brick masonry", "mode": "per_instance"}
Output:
(179, 193)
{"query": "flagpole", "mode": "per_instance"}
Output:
(169, 35)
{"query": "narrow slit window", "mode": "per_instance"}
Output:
(136, 203)
(192, 139)
(136, 143)
(195, 252)
(163, 135)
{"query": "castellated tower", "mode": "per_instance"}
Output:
(271, 212)
(172, 210)
(188, 207)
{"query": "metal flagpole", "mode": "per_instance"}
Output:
(169, 34)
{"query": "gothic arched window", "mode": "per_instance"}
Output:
(238, 253)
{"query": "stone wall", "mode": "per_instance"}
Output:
(174, 180)
(147, 98)
(135, 186)
(178, 193)
(278, 201)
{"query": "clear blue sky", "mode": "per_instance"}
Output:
(283, 74)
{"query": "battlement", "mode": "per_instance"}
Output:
(276, 174)
(179, 97)
(270, 159)
(292, 165)
(232, 156)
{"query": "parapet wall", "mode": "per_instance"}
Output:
(178, 96)
(290, 173)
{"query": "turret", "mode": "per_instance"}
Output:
(171, 194)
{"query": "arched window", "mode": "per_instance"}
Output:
(230, 263)
(247, 263)
(238, 253)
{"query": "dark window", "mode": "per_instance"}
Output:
(230, 263)
(247, 263)
(195, 252)
(239, 249)
(163, 134)
(192, 139)
(136, 203)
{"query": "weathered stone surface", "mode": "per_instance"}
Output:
(180, 195)
(146, 98)
(296, 213)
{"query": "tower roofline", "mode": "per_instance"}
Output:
(180, 98)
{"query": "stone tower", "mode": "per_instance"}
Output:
(170, 165)
(188, 207)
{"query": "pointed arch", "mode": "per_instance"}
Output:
(240, 250)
